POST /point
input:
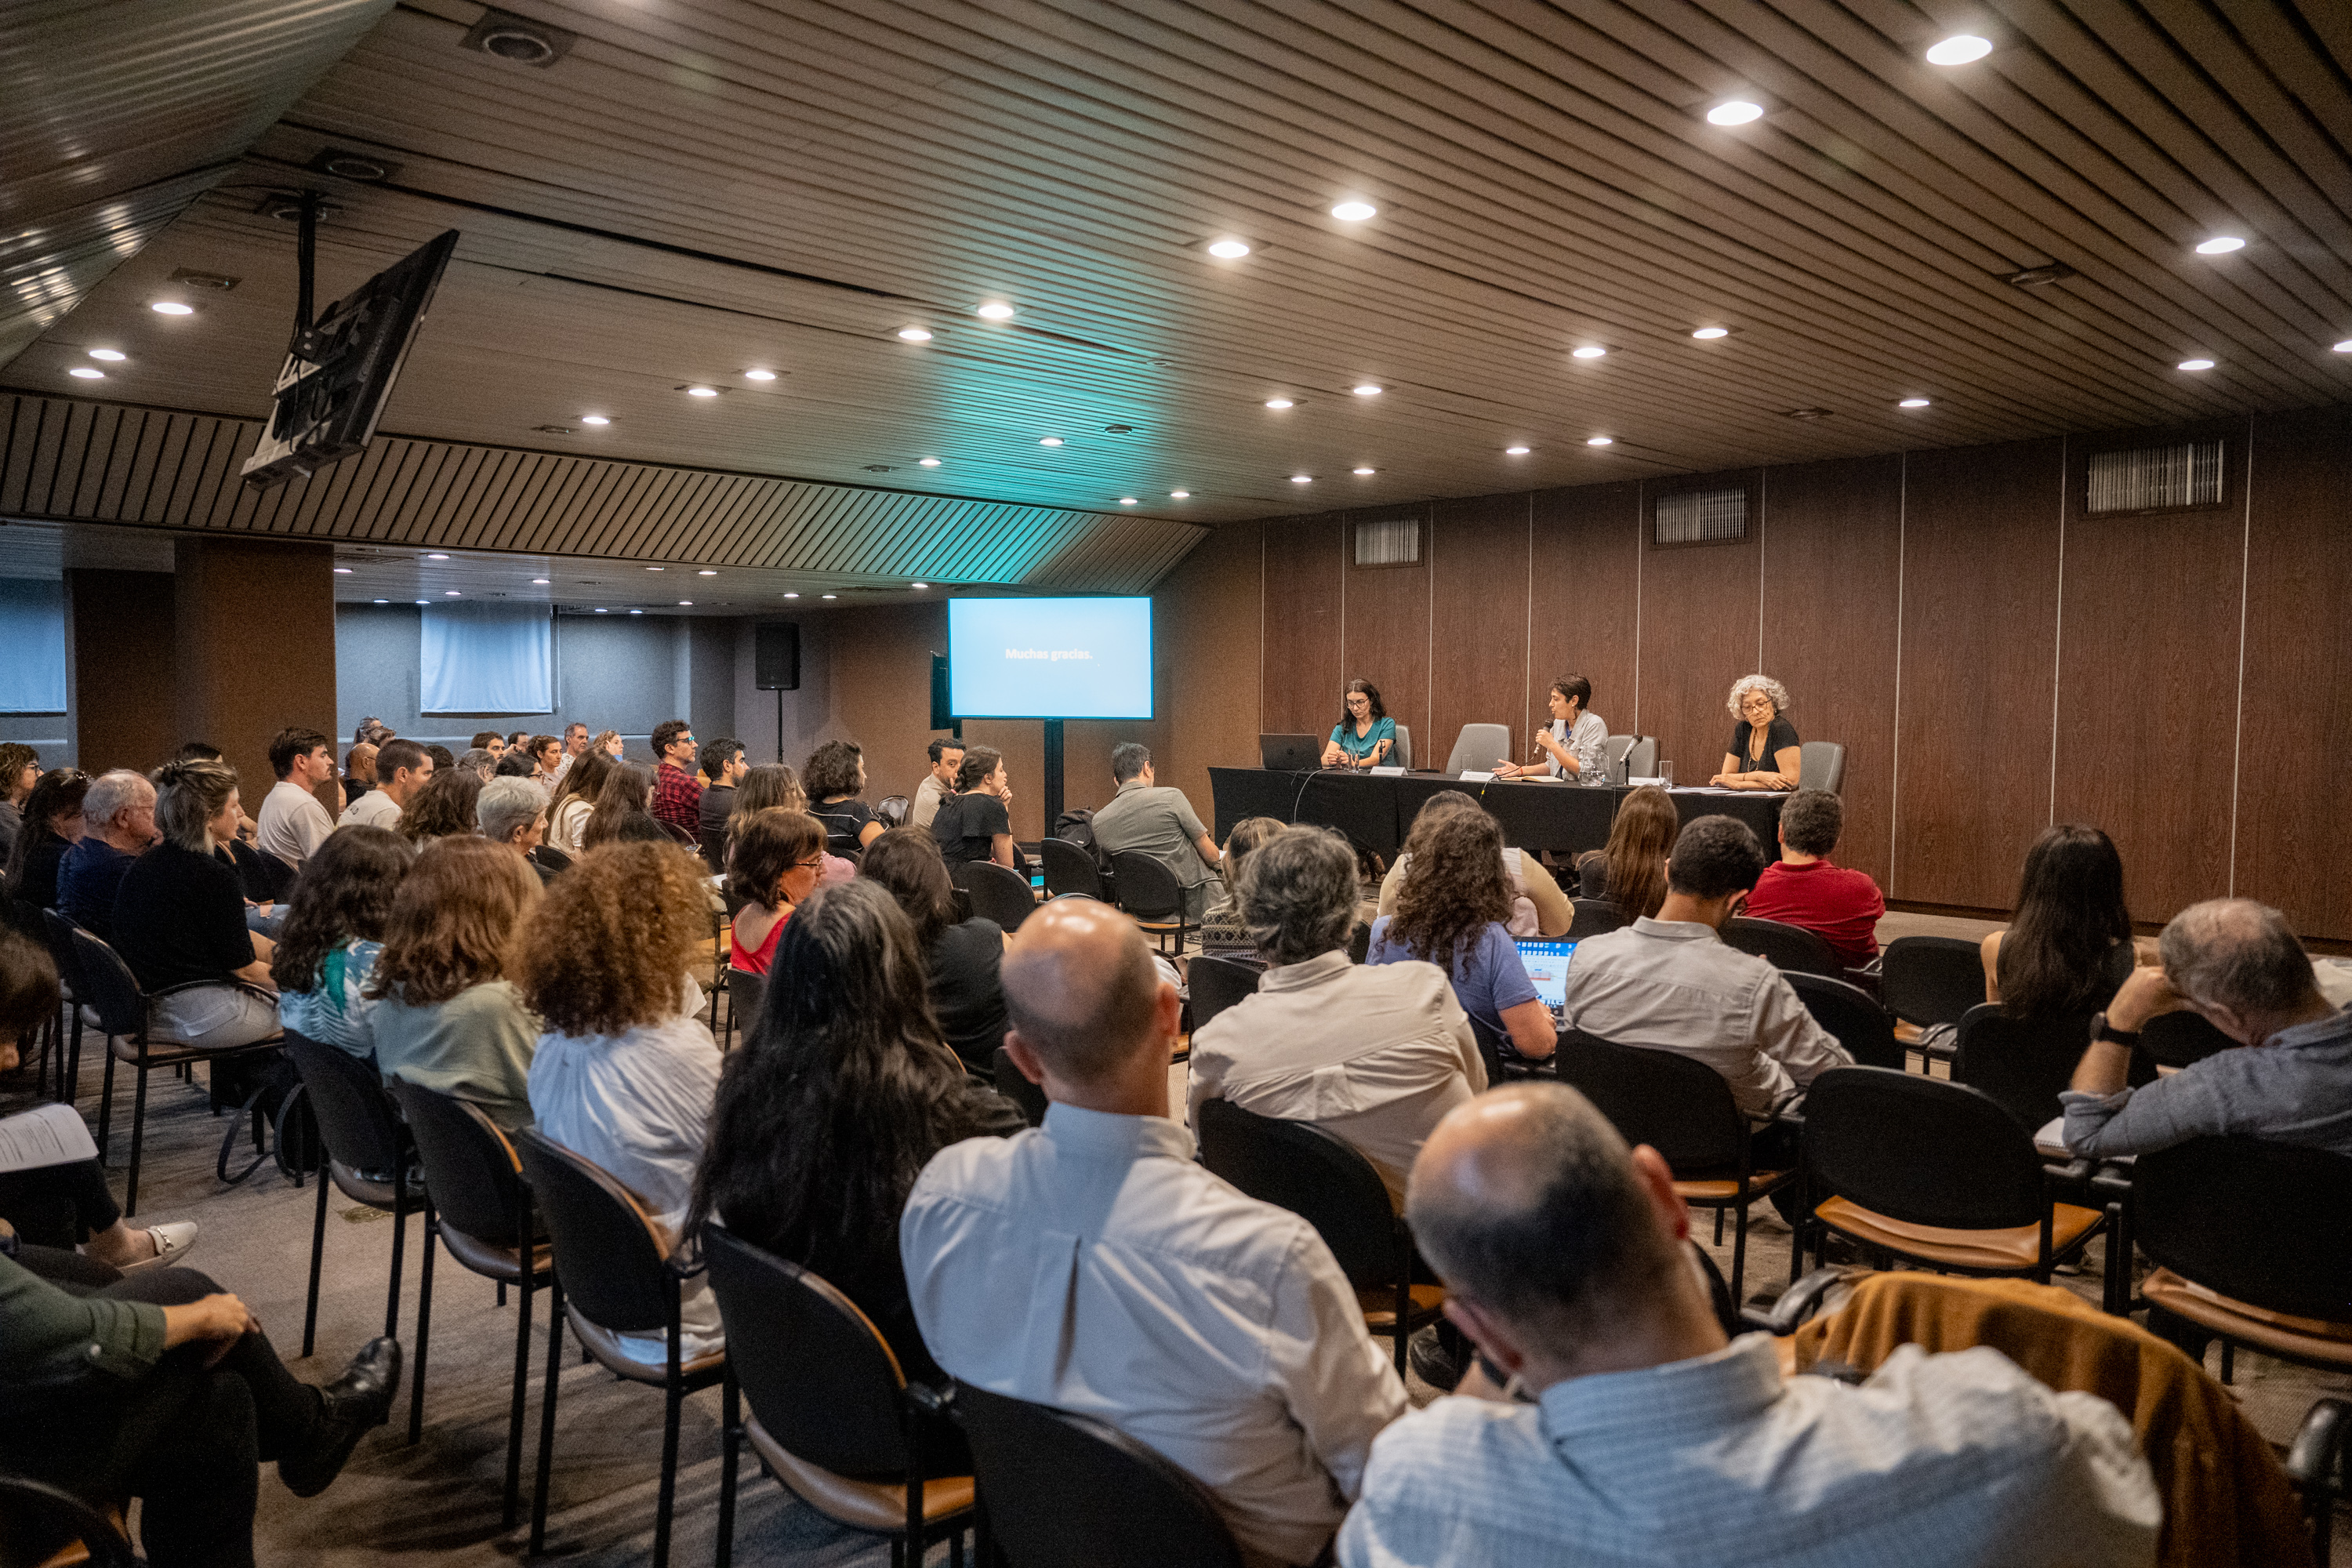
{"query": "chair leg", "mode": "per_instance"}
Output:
(730, 1443)
(72, 1070)
(424, 1322)
(399, 1244)
(522, 1392)
(138, 1134)
(1739, 1251)
(1718, 1228)
(547, 1391)
(674, 1397)
(2229, 1362)
(318, 1251)
(106, 1102)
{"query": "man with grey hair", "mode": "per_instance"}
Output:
(119, 823)
(512, 810)
(2239, 964)
(1091, 1264)
(1375, 1056)
(1148, 818)
(1630, 1430)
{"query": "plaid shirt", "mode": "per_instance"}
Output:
(678, 799)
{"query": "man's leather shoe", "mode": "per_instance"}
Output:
(354, 1405)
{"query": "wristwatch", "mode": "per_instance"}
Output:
(2103, 1030)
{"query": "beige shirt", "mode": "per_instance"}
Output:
(1375, 1056)
(374, 809)
(928, 796)
(292, 824)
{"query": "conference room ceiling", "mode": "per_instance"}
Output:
(698, 188)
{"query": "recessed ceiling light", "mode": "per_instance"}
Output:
(1367, 390)
(758, 375)
(1590, 351)
(1361, 471)
(87, 372)
(927, 462)
(423, 601)
(919, 585)
(687, 603)
(636, 612)
(995, 311)
(1708, 334)
(829, 595)
(1734, 111)
(1913, 403)
(1959, 51)
(171, 308)
(343, 571)
(1228, 249)
(450, 593)
(1184, 495)
(604, 612)
(702, 392)
(1302, 478)
(1354, 212)
(381, 601)
(539, 582)
(915, 334)
(1278, 402)
(1049, 441)
(1517, 451)
(436, 556)
(108, 355)
(1127, 501)
(2345, 347)
(2222, 245)
(1600, 440)
(792, 596)
(2196, 365)
(593, 419)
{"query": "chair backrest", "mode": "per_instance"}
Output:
(2022, 1063)
(554, 859)
(280, 874)
(2179, 1038)
(57, 932)
(607, 1256)
(1851, 1014)
(1920, 1149)
(1069, 867)
(745, 992)
(998, 894)
(712, 847)
(892, 810)
(1926, 979)
(1642, 760)
(1679, 1106)
(678, 835)
(1014, 1085)
(1146, 887)
(471, 1167)
(1617, 748)
(356, 1120)
(1403, 754)
(1594, 916)
(1782, 945)
(1823, 766)
(1479, 747)
(1217, 984)
(2267, 1224)
(820, 1377)
(1070, 1491)
(1298, 1166)
(107, 987)
(38, 1522)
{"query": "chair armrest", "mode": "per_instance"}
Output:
(1797, 1305)
(2073, 1177)
(2321, 1454)
(930, 1401)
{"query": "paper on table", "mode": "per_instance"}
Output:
(2050, 1138)
(1386, 772)
(1468, 776)
(50, 1135)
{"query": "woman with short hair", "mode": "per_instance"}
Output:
(1449, 910)
(1764, 753)
(835, 779)
(624, 811)
(1365, 734)
(576, 799)
(179, 918)
(773, 867)
(1576, 745)
(2068, 946)
(1632, 871)
(444, 808)
(335, 920)
(962, 959)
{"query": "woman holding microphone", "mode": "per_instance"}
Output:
(1365, 734)
(1575, 747)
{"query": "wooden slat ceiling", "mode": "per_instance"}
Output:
(706, 186)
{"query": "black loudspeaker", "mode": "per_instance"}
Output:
(941, 718)
(777, 656)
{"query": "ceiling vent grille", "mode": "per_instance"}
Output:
(1702, 517)
(2154, 478)
(1389, 541)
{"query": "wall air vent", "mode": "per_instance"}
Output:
(2154, 478)
(1715, 516)
(1389, 541)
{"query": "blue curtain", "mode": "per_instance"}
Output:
(487, 659)
(32, 646)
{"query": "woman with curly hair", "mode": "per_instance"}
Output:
(625, 1076)
(835, 778)
(772, 867)
(1632, 871)
(1764, 753)
(447, 1017)
(830, 1110)
(443, 809)
(1449, 910)
(1537, 906)
(333, 933)
(624, 811)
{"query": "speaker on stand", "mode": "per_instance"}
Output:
(776, 666)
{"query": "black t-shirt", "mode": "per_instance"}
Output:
(842, 821)
(36, 885)
(718, 804)
(1779, 738)
(179, 917)
(967, 996)
(966, 826)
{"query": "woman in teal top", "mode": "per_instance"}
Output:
(1365, 735)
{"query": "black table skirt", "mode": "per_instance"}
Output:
(1377, 812)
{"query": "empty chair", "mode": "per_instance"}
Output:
(1216, 983)
(1401, 753)
(1641, 758)
(1593, 917)
(1014, 1085)
(1069, 868)
(1149, 892)
(1822, 765)
(367, 1159)
(2022, 1063)
(1070, 1491)
(711, 843)
(1785, 947)
(891, 810)
(832, 1414)
(1930, 980)
(745, 991)
(1479, 747)
(1619, 751)
(1851, 1014)
(997, 894)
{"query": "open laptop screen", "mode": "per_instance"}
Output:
(1546, 964)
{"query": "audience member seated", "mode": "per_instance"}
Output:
(402, 768)
(1146, 818)
(179, 918)
(1449, 910)
(292, 824)
(20, 769)
(576, 799)
(2068, 944)
(677, 797)
(1537, 906)
(444, 759)
(53, 823)
(946, 757)
(1803, 889)
(1631, 1431)
(773, 869)
(546, 754)
(516, 764)
(1094, 1266)
(835, 781)
(1222, 930)
(118, 825)
(443, 805)
(723, 765)
(1375, 1055)
(359, 774)
(480, 761)
(327, 949)
(842, 1093)
(2237, 964)
(624, 1078)
(372, 732)
(975, 823)
(489, 740)
(513, 812)
(446, 1017)
(624, 812)
(609, 742)
(517, 740)
(1632, 871)
(771, 786)
(962, 959)
(575, 747)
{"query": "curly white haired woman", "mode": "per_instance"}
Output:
(1764, 753)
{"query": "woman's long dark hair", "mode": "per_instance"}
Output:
(841, 1095)
(1368, 689)
(1639, 842)
(444, 808)
(627, 792)
(908, 864)
(584, 778)
(345, 890)
(1455, 887)
(56, 793)
(2070, 914)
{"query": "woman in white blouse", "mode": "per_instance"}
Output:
(576, 800)
(1574, 747)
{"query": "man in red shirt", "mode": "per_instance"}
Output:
(1804, 889)
(677, 798)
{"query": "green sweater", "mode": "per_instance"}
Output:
(48, 1336)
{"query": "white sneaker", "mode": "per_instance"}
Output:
(173, 1242)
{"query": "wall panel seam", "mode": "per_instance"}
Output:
(2058, 635)
(1895, 759)
(2245, 584)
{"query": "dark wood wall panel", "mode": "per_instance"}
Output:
(1699, 621)
(2293, 848)
(1478, 620)
(1207, 619)
(1387, 632)
(1585, 598)
(1832, 565)
(1300, 677)
(1979, 633)
(2148, 685)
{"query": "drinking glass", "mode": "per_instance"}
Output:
(1666, 774)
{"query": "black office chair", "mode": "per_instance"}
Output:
(745, 992)
(1070, 868)
(997, 894)
(1930, 980)
(1298, 1166)
(1853, 1015)
(1684, 1109)
(1061, 1491)
(2180, 1038)
(58, 934)
(40, 1524)
(1149, 892)
(1783, 946)
(2023, 1062)
(1014, 1085)
(891, 810)
(362, 1134)
(554, 859)
(1216, 983)
(1594, 916)
(711, 843)
(832, 1412)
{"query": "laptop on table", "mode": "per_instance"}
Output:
(1290, 753)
